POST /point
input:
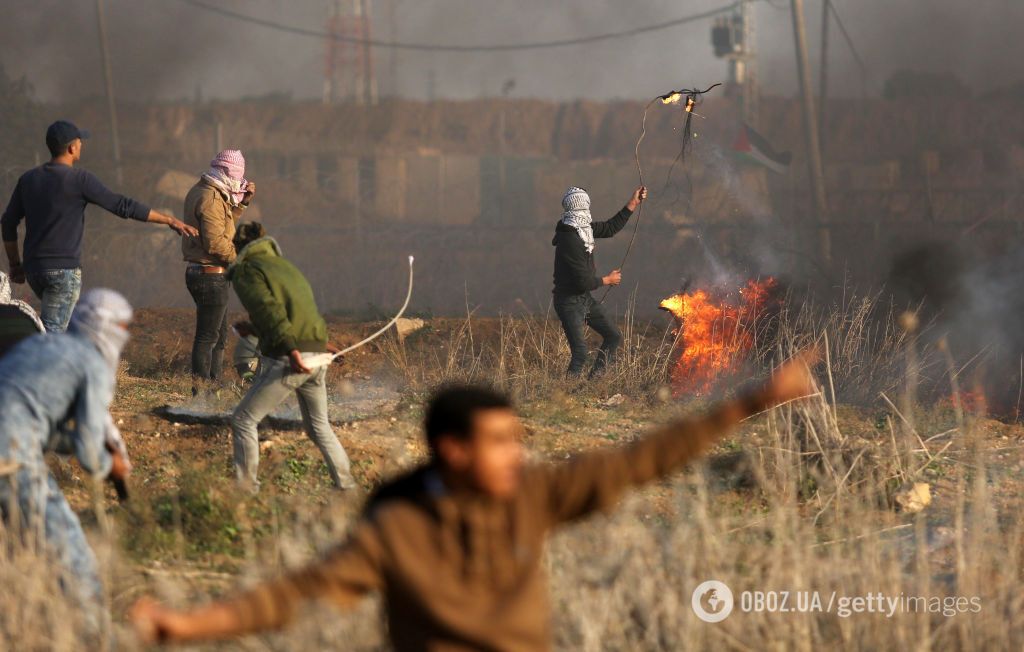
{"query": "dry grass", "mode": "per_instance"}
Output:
(818, 517)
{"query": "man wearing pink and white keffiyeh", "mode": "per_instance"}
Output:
(214, 206)
(227, 174)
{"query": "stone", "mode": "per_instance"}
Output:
(913, 497)
(406, 326)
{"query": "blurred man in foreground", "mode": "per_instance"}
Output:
(456, 545)
(51, 199)
(55, 393)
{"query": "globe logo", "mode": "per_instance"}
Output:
(712, 601)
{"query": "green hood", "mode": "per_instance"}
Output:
(265, 245)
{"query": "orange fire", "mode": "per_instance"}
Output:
(971, 402)
(713, 333)
(672, 98)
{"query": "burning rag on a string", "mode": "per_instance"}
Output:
(690, 99)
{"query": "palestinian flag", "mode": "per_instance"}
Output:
(754, 148)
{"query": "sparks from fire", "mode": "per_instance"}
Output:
(673, 98)
(714, 334)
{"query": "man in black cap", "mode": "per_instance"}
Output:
(51, 199)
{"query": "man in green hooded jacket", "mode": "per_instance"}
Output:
(283, 312)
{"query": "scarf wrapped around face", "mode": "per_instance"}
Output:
(100, 317)
(227, 175)
(576, 204)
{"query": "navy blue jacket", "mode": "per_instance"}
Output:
(575, 272)
(51, 199)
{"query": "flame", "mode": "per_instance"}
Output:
(972, 402)
(675, 96)
(714, 334)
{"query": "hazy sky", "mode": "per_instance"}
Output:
(167, 49)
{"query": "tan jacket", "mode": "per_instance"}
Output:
(207, 210)
(463, 571)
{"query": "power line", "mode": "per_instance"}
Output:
(428, 47)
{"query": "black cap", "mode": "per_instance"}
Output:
(60, 133)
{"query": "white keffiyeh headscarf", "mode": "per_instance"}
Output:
(576, 204)
(99, 316)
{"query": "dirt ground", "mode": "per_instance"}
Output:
(383, 441)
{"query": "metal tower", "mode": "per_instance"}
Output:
(349, 71)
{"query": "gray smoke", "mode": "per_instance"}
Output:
(165, 49)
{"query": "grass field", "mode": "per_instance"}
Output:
(800, 499)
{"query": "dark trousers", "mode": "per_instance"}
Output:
(577, 311)
(211, 293)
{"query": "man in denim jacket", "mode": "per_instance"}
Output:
(56, 390)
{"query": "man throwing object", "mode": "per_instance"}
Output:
(456, 545)
(576, 277)
(284, 315)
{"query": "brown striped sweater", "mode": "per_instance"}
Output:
(463, 571)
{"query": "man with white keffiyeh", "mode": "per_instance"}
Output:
(56, 390)
(576, 276)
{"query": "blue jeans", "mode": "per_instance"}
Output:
(33, 505)
(576, 312)
(274, 384)
(58, 291)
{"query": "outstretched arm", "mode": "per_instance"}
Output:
(125, 207)
(595, 481)
(610, 227)
(176, 225)
(343, 577)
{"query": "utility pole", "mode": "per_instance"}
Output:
(330, 92)
(108, 76)
(811, 129)
(369, 90)
(393, 53)
(751, 92)
(826, 11)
